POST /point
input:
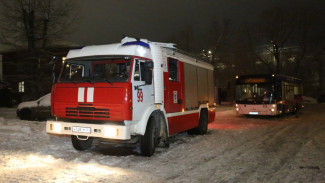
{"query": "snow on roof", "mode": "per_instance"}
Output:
(110, 49)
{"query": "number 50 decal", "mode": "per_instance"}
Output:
(140, 96)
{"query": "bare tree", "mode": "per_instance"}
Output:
(246, 60)
(30, 24)
(275, 28)
(183, 39)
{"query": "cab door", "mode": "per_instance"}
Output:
(143, 95)
(174, 86)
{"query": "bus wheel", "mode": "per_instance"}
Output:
(203, 124)
(81, 145)
(148, 141)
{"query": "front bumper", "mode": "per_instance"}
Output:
(105, 131)
(263, 109)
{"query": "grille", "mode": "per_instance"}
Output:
(86, 111)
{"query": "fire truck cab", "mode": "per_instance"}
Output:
(136, 90)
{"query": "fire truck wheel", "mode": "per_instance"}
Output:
(81, 145)
(203, 124)
(148, 141)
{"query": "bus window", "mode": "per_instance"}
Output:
(255, 93)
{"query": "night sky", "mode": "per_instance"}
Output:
(103, 21)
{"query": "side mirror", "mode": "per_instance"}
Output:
(148, 66)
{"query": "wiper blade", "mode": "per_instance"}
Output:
(108, 82)
(74, 82)
(89, 81)
(69, 80)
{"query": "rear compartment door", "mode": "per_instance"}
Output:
(174, 86)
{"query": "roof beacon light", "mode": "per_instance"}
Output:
(145, 43)
(133, 41)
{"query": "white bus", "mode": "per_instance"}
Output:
(268, 94)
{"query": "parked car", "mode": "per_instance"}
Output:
(321, 98)
(39, 109)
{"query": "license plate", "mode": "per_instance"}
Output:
(81, 129)
(253, 113)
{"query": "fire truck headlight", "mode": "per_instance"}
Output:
(110, 131)
(55, 127)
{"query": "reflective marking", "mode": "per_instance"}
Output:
(140, 96)
(175, 97)
(81, 94)
(181, 113)
(90, 94)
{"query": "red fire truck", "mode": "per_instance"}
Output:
(136, 90)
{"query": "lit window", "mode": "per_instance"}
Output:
(21, 87)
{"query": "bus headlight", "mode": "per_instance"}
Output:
(273, 110)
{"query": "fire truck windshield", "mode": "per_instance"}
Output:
(96, 70)
(261, 93)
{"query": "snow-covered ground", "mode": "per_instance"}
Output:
(236, 149)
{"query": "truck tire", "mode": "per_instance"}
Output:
(203, 124)
(81, 145)
(148, 141)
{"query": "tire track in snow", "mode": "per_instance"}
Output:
(235, 149)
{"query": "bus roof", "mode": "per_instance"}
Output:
(266, 78)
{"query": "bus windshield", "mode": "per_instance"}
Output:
(261, 93)
(96, 70)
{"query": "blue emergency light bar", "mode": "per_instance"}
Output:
(140, 43)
